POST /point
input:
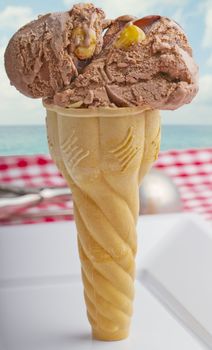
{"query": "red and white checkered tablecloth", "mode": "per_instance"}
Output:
(35, 171)
(191, 170)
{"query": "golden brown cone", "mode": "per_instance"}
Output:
(104, 154)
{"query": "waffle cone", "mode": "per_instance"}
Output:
(104, 154)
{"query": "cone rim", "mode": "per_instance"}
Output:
(95, 112)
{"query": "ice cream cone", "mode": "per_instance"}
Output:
(104, 154)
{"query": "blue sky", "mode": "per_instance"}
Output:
(193, 15)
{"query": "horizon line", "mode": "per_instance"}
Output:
(167, 124)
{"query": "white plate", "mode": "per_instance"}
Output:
(178, 272)
(41, 302)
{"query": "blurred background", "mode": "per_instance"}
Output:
(22, 119)
(33, 191)
(41, 302)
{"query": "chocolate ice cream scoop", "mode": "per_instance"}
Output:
(152, 65)
(45, 55)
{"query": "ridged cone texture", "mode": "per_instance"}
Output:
(103, 154)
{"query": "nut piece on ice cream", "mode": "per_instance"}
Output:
(146, 23)
(85, 44)
(44, 55)
(115, 28)
(158, 71)
(130, 35)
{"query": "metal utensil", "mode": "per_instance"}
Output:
(159, 194)
(14, 199)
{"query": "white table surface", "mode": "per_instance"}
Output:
(41, 301)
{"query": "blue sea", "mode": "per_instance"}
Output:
(16, 140)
